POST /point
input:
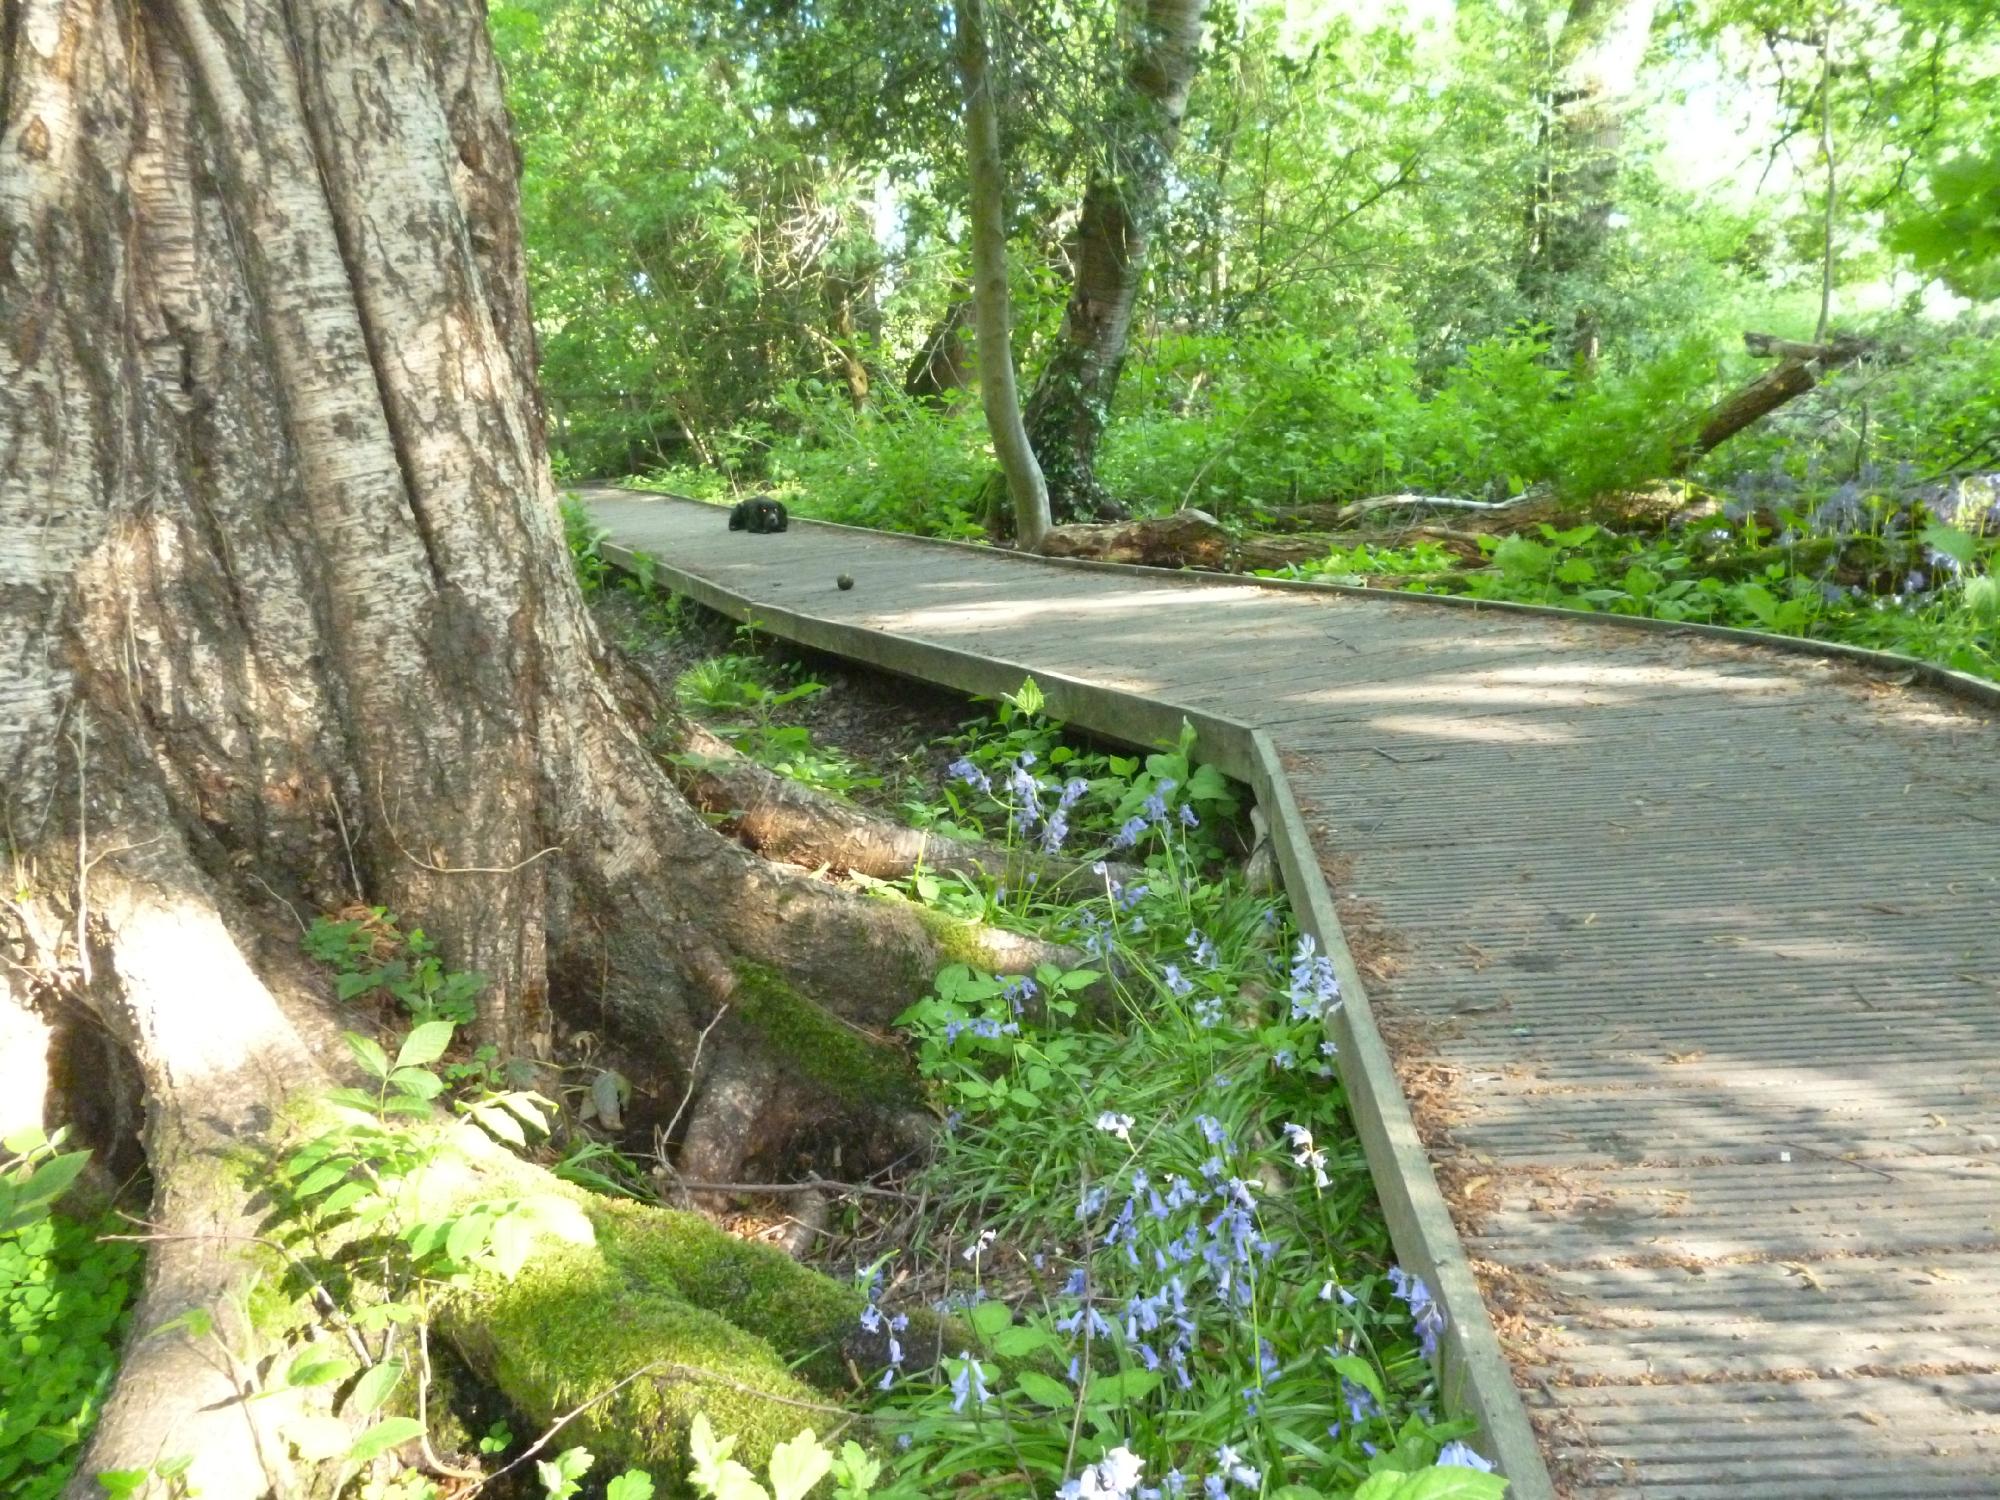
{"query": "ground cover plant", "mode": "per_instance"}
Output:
(1926, 589)
(1146, 1207)
(66, 1286)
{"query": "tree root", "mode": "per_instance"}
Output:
(785, 820)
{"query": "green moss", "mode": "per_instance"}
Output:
(958, 941)
(848, 1064)
(577, 1321)
(803, 1315)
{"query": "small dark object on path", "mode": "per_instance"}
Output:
(843, 582)
(759, 515)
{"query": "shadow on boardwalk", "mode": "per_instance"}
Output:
(1690, 952)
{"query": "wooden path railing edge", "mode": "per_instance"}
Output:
(1930, 673)
(1473, 1377)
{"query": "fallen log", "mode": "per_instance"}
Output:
(1800, 367)
(1185, 539)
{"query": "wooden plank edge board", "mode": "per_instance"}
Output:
(1930, 673)
(1473, 1375)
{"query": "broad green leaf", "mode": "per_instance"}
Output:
(374, 1061)
(1363, 1374)
(314, 1366)
(425, 1044)
(1451, 1483)
(633, 1484)
(390, 1432)
(1126, 1385)
(1044, 1390)
(1020, 1341)
(498, 1122)
(1960, 546)
(988, 1318)
(318, 1438)
(797, 1465)
(418, 1083)
(375, 1386)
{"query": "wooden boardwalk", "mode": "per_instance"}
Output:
(1688, 951)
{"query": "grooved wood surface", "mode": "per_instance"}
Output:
(1689, 954)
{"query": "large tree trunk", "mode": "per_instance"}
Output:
(1594, 68)
(285, 616)
(1071, 403)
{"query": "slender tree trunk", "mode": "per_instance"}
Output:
(286, 621)
(1595, 67)
(1832, 198)
(997, 390)
(1071, 403)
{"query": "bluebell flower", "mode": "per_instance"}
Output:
(1213, 1131)
(1175, 1481)
(1072, 792)
(1116, 1124)
(1202, 949)
(1131, 895)
(1188, 818)
(1091, 1201)
(1283, 1059)
(1017, 991)
(1314, 988)
(1176, 981)
(971, 775)
(1455, 1455)
(1128, 833)
(903, 1440)
(968, 1382)
(871, 1318)
(1208, 1012)
(1078, 1280)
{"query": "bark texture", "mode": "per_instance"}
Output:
(1026, 487)
(1071, 403)
(285, 617)
(1800, 367)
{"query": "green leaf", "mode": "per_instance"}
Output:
(498, 1122)
(633, 1484)
(314, 1367)
(1078, 979)
(1451, 1483)
(1363, 1374)
(1126, 1385)
(374, 1061)
(1020, 1341)
(560, 1475)
(119, 1483)
(425, 1044)
(1044, 1390)
(1518, 557)
(417, 1083)
(375, 1387)
(798, 1465)
(390, 1432)
(988, 1318)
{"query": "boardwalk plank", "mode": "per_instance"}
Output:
(1648, 913)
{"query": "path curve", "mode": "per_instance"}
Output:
(1688, 952)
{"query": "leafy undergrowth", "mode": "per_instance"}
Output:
(1149, 1202)
(64, 1297)
(1930, 591)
